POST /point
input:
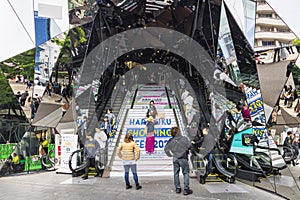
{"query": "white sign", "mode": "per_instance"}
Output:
(68, 145)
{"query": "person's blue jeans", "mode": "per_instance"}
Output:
(184, 165)
(210, 161)
(133, 170)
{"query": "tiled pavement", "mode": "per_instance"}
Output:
(49, 185)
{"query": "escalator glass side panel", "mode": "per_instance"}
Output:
(225, 164)
(76, 161)
(285, 184)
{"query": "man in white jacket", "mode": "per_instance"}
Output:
(101, 138)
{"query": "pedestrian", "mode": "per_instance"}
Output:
(150, 136)
(28, 84)
(106, 126)
(178, 147)
(129, 152)
(23, 98)
(111, 117)
(151, 110)
(18, 95)
(289, 68)
(100, 160)
(91, 149)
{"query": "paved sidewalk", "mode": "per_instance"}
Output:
(49, 185)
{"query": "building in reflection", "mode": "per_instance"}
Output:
(271, 31)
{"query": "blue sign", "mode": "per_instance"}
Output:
(140, 132)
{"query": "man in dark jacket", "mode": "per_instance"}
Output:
(177, 147)
(91, 149)
(289, 68)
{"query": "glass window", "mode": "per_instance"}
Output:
(265, 15)
(268, 43)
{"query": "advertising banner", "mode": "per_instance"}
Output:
(241, 142)
(68, 145)
(256, 109)
(162, 135)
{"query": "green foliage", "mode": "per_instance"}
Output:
(65, 50)
(296, 42)
(296, 71)
(78, 36)
(7, 97)
(22, 64)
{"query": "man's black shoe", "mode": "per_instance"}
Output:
(97, 175)
(128, 187)
(138, 187)
(187, 192)
(178, 190)
(84, 177)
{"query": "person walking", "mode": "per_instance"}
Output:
(101, 138)
(150, 136)
(177, 147)
(289, 68)
(129, 152)
(151, 110)
(91, 149)
(23, 98)
(106, 126)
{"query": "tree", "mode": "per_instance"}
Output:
(22, 64)
(296, 42)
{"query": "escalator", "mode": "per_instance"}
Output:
(259, 165)
(226, 164)
(48, 160)
(77, 163)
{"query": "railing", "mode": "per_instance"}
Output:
(120, 119)
(49, 160)
(117, 142)
(288, 154)
(80, 163)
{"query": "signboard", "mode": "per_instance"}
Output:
(241, 142)
(256, 109)
(162, 135)
(68, 145)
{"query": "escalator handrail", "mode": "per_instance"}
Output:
(118, 141)
(81, 167)
(236, 164)
(279, 152)
(290, 149)
(133, 99)
(222, 169)
(47, 156)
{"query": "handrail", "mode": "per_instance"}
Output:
(46, 157)
(117, 142)
(168, 97)
(133, 99)
(114, 97)
(229, 155)
(81, 166)
(290, 150)
(127, 96)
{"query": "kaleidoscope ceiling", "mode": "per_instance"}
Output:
(48, 41)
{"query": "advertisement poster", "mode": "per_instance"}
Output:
(241, 142)
(257, 113)
(68, 145)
